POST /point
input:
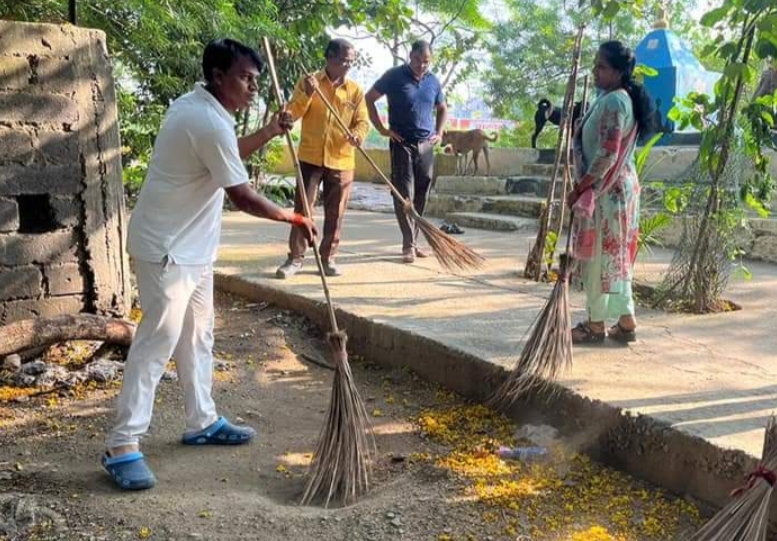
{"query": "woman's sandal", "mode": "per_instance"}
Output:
(618, 333)
(586, 335)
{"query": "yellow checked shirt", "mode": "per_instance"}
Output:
(323, 142)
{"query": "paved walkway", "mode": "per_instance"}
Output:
(714, 376)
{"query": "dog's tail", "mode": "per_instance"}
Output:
(494, 137)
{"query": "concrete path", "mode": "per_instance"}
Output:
(713, 376)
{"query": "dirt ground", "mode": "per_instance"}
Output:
(436, 476)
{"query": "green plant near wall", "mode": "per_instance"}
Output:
(731, 157)
(650, 225)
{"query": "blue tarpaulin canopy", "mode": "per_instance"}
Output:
(679, 71)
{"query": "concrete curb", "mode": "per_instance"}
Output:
(639, 445)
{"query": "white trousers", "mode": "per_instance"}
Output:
(177, 304)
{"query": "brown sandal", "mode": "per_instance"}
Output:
(586, 336)
(618, 333)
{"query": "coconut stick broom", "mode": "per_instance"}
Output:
(533, 267)
(450, 253)
(746, 517)
(341, 463)
(548, 351)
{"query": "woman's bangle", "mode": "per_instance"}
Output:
(297, 219)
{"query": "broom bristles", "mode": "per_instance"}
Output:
(450, 253)
(746, 517)
(341, 463)
(547, 352)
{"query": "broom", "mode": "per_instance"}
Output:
(548, 351)
(746, 517)
(533, 267)
(450, 253)
(341, 462)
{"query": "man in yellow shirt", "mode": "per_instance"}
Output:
(326, 154)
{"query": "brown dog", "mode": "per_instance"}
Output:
(464, 142)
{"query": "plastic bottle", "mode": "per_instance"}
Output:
(524, 454)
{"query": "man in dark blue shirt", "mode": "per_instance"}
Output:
(413, 96)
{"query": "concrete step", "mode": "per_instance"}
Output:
(516, 185)
(538, 169)
(440, 205)
(491, 222)
(470, 185)
(546, 155)
(531, 185)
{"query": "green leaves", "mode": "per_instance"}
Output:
(767, 45)
(650, 227)
(644, 153)
(676, 198)
(611, 9)
(646, 71)
(736, 70)
(711, 18)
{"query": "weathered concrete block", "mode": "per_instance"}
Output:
(66, 84)
(67, 210)
(24, 249)
(16, 146)
(37, 108)
(9, 215)
(60, 179)
(20, 283)
(764, 248)
(56, 75)
(763, 226)
(15, 72)
(57, 147)
(65, 279)
(471, 185)
(43, 39)
(27, 309)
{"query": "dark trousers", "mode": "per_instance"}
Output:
(337, 191)
(411, 175)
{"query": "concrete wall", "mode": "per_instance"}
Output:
(504, 162)
(663, 163)
(61, 199)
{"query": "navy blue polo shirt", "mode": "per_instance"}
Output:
(411, 103)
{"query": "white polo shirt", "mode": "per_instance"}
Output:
(178, 213)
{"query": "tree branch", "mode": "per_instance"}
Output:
(455, 17)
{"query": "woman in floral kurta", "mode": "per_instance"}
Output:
(605, 199)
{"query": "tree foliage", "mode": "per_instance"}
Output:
(455, 29)
(531, 50)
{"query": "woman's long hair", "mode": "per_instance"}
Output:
(622, 59)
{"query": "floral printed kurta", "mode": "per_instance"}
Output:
(607, 239)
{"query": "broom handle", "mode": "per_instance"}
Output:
(367, 157)
(583, 111)
(300, 181)
(564, 128)
(569, 148)
(536, 253)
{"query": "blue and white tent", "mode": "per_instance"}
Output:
(679, 71)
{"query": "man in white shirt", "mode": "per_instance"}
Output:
(173, 239)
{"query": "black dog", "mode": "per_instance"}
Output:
(547, 112)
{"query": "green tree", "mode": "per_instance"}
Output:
(455, 28)
(531, 50)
